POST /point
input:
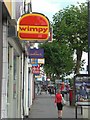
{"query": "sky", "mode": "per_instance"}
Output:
(50, 7)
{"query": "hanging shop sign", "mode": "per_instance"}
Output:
(36, 53)
(41, 61)
(36, 69)
(33, 27)
(34, 61)
(50, 39)
(37, 76)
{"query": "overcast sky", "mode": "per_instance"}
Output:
(50, 7)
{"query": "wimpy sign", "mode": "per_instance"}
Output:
(34, 26)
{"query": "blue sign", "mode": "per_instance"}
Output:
(34, 62)
(35, 53)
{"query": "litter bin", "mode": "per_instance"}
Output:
(70, 96)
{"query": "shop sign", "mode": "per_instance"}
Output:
(41, 61)
(39, 79)
(37, 76)
(34, 62)
(36, 53)
(34, 26)
(57, 81)
(36, 69)
(50, 39)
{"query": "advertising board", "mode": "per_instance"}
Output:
(82, 88)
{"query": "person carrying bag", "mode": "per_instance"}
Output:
(59, 101)
(63, 101)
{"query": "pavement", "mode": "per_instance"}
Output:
(44, 107)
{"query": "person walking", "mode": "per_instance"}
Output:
(62, 88)
(58, 102)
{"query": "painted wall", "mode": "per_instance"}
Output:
(8, 6)
(13, 7)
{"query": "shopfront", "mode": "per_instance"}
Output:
(15, 79)
(11, 63)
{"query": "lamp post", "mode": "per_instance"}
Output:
(1, 53)
(88, 36)
(88, 41)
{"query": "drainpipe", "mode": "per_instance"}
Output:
(1, 53)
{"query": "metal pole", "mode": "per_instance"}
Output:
(30, 6)
(1, 53)
(24, 7)
(88, 37)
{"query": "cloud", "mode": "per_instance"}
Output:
(45, 5)
(50, 7)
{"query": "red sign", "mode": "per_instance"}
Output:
(33, 26)
(51, 35)
(36, 69)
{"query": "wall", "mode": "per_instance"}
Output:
(8, 6)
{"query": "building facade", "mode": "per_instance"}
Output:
(16, 78)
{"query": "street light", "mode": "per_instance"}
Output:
(88, 36)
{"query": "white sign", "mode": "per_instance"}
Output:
(41, 61)
(58, 81)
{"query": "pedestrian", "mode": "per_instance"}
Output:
(62, 88)
(82, 92)
(58, 102)
(55, 89)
